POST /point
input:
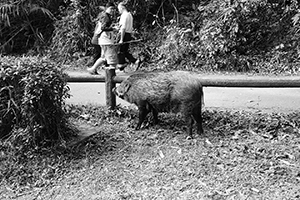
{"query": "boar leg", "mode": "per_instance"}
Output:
(190, 123)
(143, 111)
(198, 118)
(155, 115)
(188, 117)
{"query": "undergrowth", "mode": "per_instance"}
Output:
(32, 96)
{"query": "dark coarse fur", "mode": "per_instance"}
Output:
(176, 91)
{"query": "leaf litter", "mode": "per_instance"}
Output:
(242, 155)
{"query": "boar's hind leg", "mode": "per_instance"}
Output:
(198, 118)
(190, 124)
(188, 116)
(155, 115)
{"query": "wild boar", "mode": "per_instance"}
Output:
(175, 91)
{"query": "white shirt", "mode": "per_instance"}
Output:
(106, 37)
(126, 22)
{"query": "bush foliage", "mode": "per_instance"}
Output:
(31, 100)
(231, 35)
(26, 25)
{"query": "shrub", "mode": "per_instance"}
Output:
(32, 97)
(25, 25)
(69, 41)
(225, 35)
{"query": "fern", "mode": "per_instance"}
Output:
(21, 16)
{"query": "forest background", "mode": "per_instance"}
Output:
(256, 36)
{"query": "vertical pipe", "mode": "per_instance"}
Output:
(110, 73)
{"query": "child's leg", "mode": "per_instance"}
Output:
(99, 62)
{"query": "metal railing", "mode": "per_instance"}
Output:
(110, 79)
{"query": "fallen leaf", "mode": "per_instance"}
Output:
(207, 142)
(161, 154)
(179, 151)
(285, 162)
(255, 190)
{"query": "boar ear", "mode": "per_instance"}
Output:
(126, 87)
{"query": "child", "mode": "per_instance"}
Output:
(106, 41)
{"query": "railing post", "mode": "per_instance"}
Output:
(109, 85)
